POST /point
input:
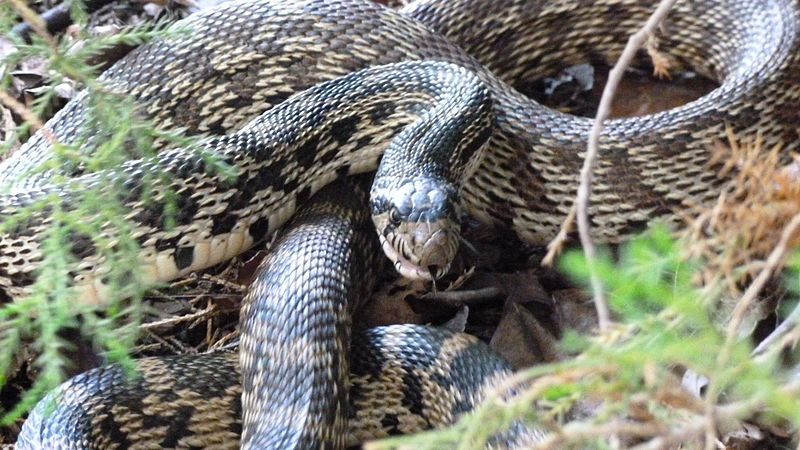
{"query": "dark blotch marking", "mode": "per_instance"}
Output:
(343, 171)
(390, 422)
(186, 208)
(412, 389)
(363, 142)
(259, 228)
(307, 151)
(151, 215)
(237, 202)
(379, 113)
(178, 427)
(303, 195)
(81, 245)
(475, 144)
(184, 257)
(23, 279)
(342, 130)
(223, 223)
(268, 176)
(276, 98)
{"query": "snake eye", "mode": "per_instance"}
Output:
(394, 216)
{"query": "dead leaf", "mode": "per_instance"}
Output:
(575, 310)
(521, 339)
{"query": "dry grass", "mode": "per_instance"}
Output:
(736, 233)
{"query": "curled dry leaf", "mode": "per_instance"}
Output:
(522, 340)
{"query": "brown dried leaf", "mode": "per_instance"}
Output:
(389, 306)
(575, 310)
(524, 287)
(522, 340)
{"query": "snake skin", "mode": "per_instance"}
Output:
(250, 55)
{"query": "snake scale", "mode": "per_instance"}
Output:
(247, 56)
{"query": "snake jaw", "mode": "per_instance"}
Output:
(421, 251)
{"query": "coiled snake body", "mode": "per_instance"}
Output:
(247, 56)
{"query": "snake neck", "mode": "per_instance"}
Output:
(296, 320)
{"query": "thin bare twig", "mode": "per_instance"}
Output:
(470, 296)
(635, 42)
(202, 314)
(786, 333)
(731, 332)
(555, 245)
(582, 430)
(728, 415)
(27, 115)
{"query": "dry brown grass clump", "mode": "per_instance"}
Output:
(735, 235)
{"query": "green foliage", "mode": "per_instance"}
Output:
(117, 134)
(664, 327)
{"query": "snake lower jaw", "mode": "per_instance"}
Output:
(406, 268)
(429, 251)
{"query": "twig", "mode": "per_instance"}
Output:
(37, 24)
(27, 115)
(555, 245)
(581, 430)
(790, 325)
(470, 296)
(727, 414)
(202, 314)
(56, 19)
(635, 42)
(786, 331)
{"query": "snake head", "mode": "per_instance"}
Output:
(417, 223)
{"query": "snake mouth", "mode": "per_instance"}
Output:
(402, 265)
(421, 251)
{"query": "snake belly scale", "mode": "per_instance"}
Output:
(259, 53)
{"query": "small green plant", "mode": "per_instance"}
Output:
(112, 133)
